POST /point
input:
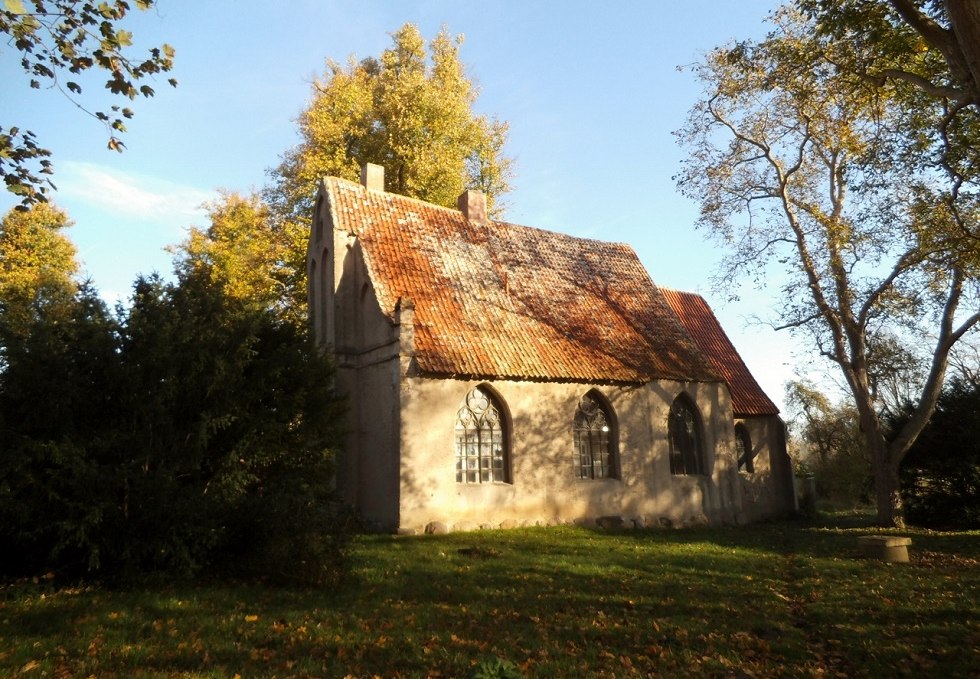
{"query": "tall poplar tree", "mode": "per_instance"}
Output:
(410, 111)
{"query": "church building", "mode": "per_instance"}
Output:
(499, 375)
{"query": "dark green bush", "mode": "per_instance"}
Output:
(940, 476)
(153, 441)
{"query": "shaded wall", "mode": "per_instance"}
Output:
(768, 490)
(347, 321)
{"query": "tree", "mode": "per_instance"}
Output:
(37, 267)
(253, 259)
(409, 111)
(801, 164)
(58, 41)
(59, 405)
(190, 431)
(833, 448)
(224, 403)
(926, 53)
(895, 373)
(896, 29)
(194, 428)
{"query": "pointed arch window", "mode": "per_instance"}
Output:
(481, 448)
(743, 446)
(594, 437)
(685, 438)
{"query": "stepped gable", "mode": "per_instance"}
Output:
(496, 300)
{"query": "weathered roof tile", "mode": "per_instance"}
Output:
(499, 300)
(748, 398)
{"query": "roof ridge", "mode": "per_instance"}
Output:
(670, 288)
(392, 194)
(495, 222)
(565, 235)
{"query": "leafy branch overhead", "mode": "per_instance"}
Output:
(58, 41)
(931, 44)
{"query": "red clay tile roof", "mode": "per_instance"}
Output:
(701, 323)
(499, 300)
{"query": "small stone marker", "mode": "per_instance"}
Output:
(436, 528)
(892, 548)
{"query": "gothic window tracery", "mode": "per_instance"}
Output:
(481, 453)
(593, 438)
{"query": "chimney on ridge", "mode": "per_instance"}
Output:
(373, 177)
(473, 205)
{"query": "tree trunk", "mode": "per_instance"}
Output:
(964, 19)
(888, 500)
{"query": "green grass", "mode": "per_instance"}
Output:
(782, 599)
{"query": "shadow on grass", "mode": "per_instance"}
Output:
(777, 599)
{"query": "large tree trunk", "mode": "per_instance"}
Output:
(888, 500)
(964, 19)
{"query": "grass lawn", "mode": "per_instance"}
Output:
(781, 599)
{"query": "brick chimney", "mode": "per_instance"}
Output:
(473, 205)
(373, 177)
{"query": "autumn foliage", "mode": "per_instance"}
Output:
(57, 42)
(410, 111)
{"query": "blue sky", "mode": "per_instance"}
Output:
(591, 92)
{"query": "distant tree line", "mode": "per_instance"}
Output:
(940, 476)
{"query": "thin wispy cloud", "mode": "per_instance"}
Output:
(131, 195)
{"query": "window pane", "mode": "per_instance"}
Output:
(592, 446)
(743, 447)
(480, 439)
(686, 451)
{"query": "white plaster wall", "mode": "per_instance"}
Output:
(543, 487)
